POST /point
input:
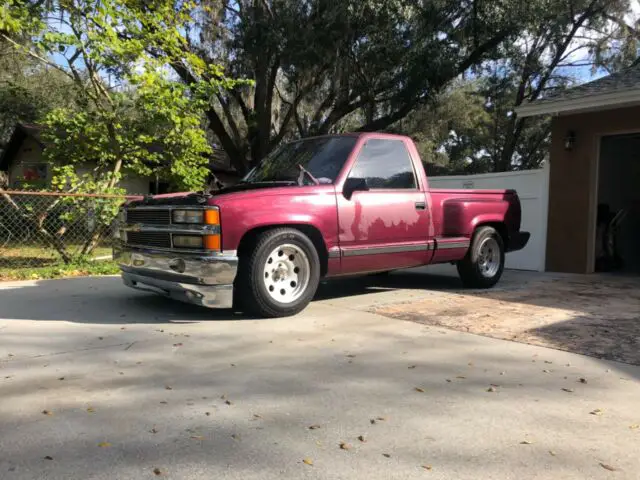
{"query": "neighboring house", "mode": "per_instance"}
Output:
(594, 172)
(23, 162)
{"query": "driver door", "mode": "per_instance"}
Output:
(387, 226)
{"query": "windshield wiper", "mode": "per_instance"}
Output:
(303, 172)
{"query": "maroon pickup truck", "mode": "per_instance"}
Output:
(316, 208)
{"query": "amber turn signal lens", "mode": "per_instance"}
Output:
(212, 242)
(212, 217)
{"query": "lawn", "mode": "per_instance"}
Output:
(33, 263)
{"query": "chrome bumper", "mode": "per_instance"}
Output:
(201, 279)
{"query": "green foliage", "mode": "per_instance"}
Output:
(135, 119)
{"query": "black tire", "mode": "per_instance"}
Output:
(251, 291)
(471, 270)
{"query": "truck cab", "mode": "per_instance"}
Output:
(316, 208)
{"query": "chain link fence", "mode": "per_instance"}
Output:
(45, 229)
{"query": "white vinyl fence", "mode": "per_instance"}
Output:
(533, 189)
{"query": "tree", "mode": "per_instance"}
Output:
(28, 90)
(316, 64)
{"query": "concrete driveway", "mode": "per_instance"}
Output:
(101, 382)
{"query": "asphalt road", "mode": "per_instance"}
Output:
(101, 382)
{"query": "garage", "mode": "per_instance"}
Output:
(593, 221)
(617, 219)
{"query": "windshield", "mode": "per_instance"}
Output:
(322, 158)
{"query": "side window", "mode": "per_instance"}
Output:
(385, 164)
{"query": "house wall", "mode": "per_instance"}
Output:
(29, 155)
(573, 185)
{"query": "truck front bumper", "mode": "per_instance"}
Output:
(198, 278)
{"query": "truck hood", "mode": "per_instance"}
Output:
(201, 198)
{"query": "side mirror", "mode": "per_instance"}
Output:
(354, 185)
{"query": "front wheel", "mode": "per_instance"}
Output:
(483, 265)
(279, 275)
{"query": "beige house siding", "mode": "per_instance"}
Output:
(30, 158)
(573, 185)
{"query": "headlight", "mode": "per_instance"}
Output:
(187, 241)
(188, 216)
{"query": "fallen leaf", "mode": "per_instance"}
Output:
(582, 380)
(307, 461)
(197, 437)
(427, 467)
(546, 371)
(91, 410)
(104, 444)
(228, 402)
(157, 471)
(568, 390)
(597, 412)
(163, 403)
(418, 389)
(526, 442)
(47, 412)
(207, 413)
(373, 421)
(61, 378)
(461, 377)
(470, 364)
(167, 387)
(351, 356)
(491, 389)
(411, 367)
(382, 419)
(608, 467)
(635, 426)
(48, 457)
(177, 344)
(153, 430)
(235, 436)
(345, 446)
(388, 455)
(233, 364)
(255, 415)
(547, 361)
(448, 380)
(503, 373)
(314, 427)
(362, 439)
(552, 453)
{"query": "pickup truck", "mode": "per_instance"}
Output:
(321, 207)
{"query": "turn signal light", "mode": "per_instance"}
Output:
(212, 217)
(212, 242)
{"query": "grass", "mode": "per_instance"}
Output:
(37, 263)
(60, 271)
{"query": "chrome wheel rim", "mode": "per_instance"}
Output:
(489, 258)
(286, 273)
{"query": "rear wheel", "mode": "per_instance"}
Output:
(483, 265)
(279, 275)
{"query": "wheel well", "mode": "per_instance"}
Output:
(501, 228)
(309, 230)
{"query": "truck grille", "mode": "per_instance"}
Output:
(150, 239)
(150, 216)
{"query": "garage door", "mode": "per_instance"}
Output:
(533, 189)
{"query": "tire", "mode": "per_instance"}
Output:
(279, 274)
(483, 265)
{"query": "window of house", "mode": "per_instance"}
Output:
(385, 164)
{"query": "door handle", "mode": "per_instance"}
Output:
(421, 205)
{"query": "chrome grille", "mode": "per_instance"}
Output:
(150, 239)
(149, 216)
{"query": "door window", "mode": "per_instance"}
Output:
(385, 164)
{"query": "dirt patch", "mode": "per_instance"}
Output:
(594, 315)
